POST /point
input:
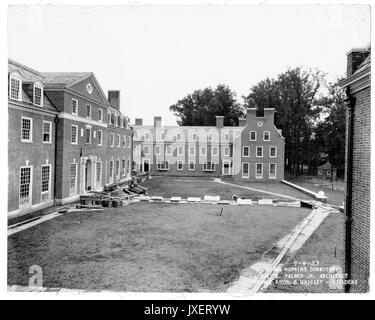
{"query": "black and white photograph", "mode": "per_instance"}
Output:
(202, 150)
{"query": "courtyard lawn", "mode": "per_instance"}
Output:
(190, 187)
(150, 246)
(326, 246)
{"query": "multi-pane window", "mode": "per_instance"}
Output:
(246, 151)
(146, 150)
(123, 141)
(118, 141)
(162, 165)
(157, 150)
(88, 135)
(203, 151)
(123, 166)
(266, 136)
(191, 151)
(245, 170)
(169, 150)
(15, 88)
(46, 169)
(73, 179)
(128, 165)
(112, 140)
(259, 170)
(259, 152)
(47, 131)
(88, 111)
(100, 137)
(194, 136)
(74, 134)
(272, 173)
(129, 142)
(25, 186)
(26, 130)
(117, 168)
(111, 170)
(208, 166)
(178, 136)
(119, 121)
(191, 165)
(226, 136)
(180, 151)
(74, 106)
(112, 118)
(214, 151)
(38, 95)
(226, 151)
(253, 136)
(100, 115)
(99, 174)
(180, 165)
(273, 152)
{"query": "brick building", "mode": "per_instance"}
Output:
(357, 170)
(253, 151)
(69, 126)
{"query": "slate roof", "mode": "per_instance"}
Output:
(63, 78)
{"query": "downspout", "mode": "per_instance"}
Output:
(56, 120)
(350, 102)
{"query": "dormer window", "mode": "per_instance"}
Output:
(15, 88)
(38, 95)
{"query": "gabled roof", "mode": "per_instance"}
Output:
(64, 78)
(326, 166)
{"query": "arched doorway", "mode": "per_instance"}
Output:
(88, 175)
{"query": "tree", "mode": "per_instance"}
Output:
(295, 94)
(201, 107)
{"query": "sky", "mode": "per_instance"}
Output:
(155, 55)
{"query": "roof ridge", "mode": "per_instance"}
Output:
(11, 61)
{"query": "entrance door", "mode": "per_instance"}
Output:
(146, 165)
(226, 168)
(88, 175)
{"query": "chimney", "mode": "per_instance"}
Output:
(251, 113)
(157, 122)
(354, 58)
(269, 114)
(242, 122)
(138, 122)
(219, 121)
(114, 98)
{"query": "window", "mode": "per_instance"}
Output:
(328, 172)
(214, 151)
(112, 140)
(245, 169)
(146, 150)
(38, 91)
(123, 141)
(180, 165)
(157, 150)
(246, 151)
(180, 151)
(194, 136)
(226, 151)
(88, 111)
(46, 170)
(273, 152)
(27, 125)
(112, 118)
(147, 136)
(272, 173)
(319, 171)
(123, 166)
(203, 151)
(209, 137)
(162, 135)
(192, 151)
(119, 121)
(74, 106)
(169, 150)
(129, 142)
(100, 115)
(128, 165)
(253, 136)
(178, 136)
(259, 152)
(99, 174)
(15, 89)
(88, 135)
(47, 131)
(162, 165)
(191, 165)
(25, 186)
(73, 179)
(259, 170)
(111, 170)
(100, 137)
(117, 168)
(118, 141)
(74, 134)
(208, 166)
(266, 136)
(226, 136)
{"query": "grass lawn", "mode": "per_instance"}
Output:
(151, 246)
(188, 187)
(326, 245)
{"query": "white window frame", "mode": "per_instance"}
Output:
(157, 150)
(111, 176)
(190, 153)
(165, 167)
(100, 141)
(76, 101)
(212, 166)
(248, 170)
(320, 172)
(178, 151)
(100, 115)
(75, 191)
(243, 151)
(71, 134)
(118, 141)
(49, 133)
(31, 130)
(117, 168)
(112, 142)
(226, 136)
(41, 95)
(269, 136)
(129, 142)
(86, 135)
(168, 147)
(205, 151)
(180, 162)
(215, 154)
(99, 181)
(256, 174)
(190, 163)
(30, 197)
(48, 192)
(328, 172)
(178, 136)
(226, 154)
(222, 169)
(124, 141)
(255, 139)
(271, 156)
(147, 147)
(19, 98)
(256, 152)
(194, 136)
(269, 171)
